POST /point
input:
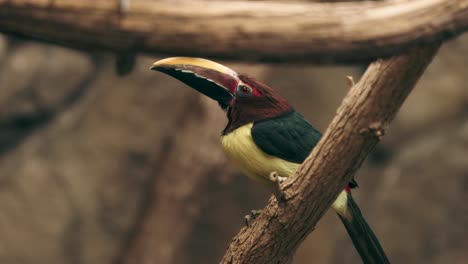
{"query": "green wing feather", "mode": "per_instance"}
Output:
(289, 137)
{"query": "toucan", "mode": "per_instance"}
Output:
(264, 134)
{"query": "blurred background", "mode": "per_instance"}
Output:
(97, 168)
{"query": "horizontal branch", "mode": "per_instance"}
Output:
(360, 122)
(241, 30)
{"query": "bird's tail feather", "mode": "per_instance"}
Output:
(364, 239)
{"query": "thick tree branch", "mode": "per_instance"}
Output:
(245, 30)
(360, 122)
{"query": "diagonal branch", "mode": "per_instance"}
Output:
(242, 30)
(360, 122)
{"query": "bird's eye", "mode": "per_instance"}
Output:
(244, 90)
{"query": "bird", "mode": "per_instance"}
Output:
(265, 134)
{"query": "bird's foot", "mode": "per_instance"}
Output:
(278, 192)
(252, 216)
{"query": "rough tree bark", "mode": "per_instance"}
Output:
(360, 123)
(261, 31)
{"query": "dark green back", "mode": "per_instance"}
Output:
(289, 137)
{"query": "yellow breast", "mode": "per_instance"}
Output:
(242, 150)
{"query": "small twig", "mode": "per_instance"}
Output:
(123, 7)
(251, 217)
(375, 129)
(276, 179)
(124, 63)
(350, 81)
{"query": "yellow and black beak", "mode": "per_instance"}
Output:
(209, 78)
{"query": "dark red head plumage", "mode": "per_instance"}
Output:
(254, 101)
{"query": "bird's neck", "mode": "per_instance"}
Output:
(240, 114)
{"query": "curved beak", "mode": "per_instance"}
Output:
(209, 78)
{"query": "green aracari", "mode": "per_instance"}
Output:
(264, 134)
